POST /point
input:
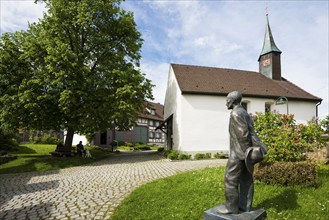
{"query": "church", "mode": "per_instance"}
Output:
(195, 113)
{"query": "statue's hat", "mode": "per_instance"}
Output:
(253, 156)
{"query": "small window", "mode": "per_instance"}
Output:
(158, 135)
(152, 112)
(268, 107)
(151, 135)
(151, 123)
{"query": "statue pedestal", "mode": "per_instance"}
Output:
(257, 214)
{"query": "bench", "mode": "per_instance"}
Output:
(64, 153)
(61, 154)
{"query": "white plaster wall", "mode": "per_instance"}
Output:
(77, 138)
(303, 111)
(205, 120)
(172, 106)
(204, 126)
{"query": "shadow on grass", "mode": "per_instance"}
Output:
(287, 200)
(34, 162)
(24, 150)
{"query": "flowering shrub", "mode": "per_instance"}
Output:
(286, 140)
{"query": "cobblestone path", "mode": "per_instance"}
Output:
(86, 192)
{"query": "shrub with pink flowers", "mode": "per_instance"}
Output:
(287, 140)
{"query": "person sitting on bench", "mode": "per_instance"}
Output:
(80, 150)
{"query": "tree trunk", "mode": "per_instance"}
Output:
(69, 139)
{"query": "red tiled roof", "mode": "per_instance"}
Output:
(159, 111)
(220, 81)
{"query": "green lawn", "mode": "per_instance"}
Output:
(188, 195)
(36, 157)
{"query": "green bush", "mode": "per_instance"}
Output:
(220, 155)
(286, 140)
(160, 149)
(44, 139)
(207, 156)
(173, 155)
(166, 153)
(199, 156)
(8, 140)
(132, 145)
(287, 173)
(121, 143)
(142, 147)
(184, 156)
(90, 136)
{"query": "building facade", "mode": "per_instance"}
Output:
(195, 112)
(143, 132)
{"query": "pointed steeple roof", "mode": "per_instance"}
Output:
(269, 44)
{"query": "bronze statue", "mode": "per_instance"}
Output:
(245, 150)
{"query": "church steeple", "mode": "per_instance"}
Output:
(269, 59)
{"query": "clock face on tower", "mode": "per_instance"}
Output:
(266, 62)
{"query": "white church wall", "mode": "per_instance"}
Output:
(204, 120)
(204, 125)
(77, 138)
(302, 110)
(172, 106)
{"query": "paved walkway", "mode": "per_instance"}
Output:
(86, 192)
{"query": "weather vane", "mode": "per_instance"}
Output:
(266, 8)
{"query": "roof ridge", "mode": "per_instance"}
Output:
(213, 67)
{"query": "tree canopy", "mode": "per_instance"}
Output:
(76, 69)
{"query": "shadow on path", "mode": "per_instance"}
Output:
(17, 185)
(129, 157)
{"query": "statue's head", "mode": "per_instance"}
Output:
(233, 98)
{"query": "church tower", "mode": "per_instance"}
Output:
(269, 59)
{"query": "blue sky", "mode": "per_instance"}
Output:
(226, 34)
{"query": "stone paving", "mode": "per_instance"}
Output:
(86, 192)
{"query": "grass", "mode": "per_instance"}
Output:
(36, 157)
(188, 195)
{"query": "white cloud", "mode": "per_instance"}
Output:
(15, 15)
(225, 34)
(230, 34)
(158, 73)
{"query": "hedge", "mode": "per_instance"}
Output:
(287, 173)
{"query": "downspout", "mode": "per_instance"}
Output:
(317, 111)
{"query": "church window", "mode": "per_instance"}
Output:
(268, 107)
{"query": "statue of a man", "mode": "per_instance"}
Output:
(245, 150)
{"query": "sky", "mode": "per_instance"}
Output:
(225, 34)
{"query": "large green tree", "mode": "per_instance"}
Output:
(76, 69)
